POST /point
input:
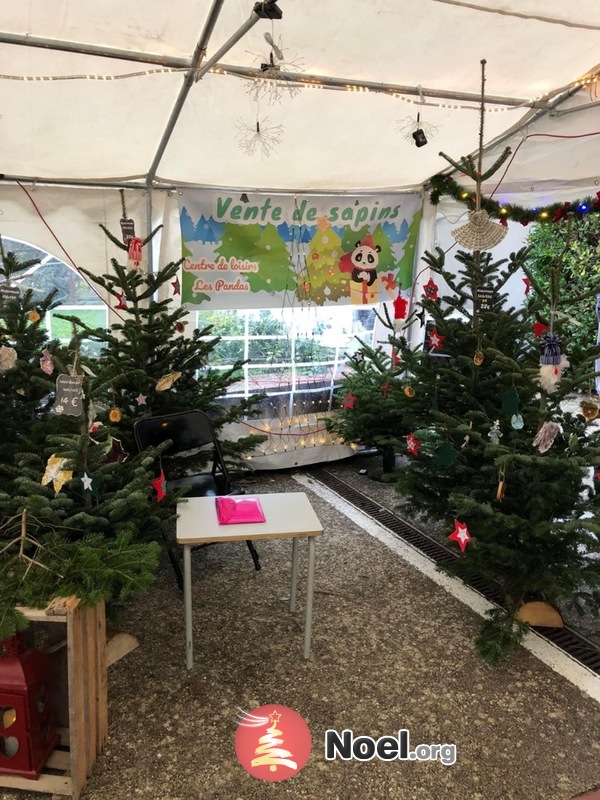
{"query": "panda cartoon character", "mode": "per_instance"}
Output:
(362, 263)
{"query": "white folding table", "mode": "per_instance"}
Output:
(289, 515)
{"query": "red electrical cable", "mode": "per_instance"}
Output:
(63, 248)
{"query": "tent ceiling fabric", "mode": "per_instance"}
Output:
(101, 130)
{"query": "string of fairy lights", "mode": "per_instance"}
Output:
(301, 82)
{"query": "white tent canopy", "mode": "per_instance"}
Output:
(92, 129)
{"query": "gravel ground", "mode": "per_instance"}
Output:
(390, 650)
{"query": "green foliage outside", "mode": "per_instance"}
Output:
(575, 244)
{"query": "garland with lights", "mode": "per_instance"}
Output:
(441, 185)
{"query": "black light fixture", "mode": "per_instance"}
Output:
(419, 134)
(268, 9)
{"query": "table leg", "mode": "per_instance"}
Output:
(310, 582)
(294, 573)
(187, 605)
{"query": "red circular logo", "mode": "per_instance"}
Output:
(272, 742)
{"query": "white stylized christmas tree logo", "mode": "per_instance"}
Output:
(269, 752)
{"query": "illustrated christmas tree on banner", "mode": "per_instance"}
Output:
(320, 279)
(274, 273)
(148, 367)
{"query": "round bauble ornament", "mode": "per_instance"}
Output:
(478, 358)
(33, 316)
(517, 422)
(589, 409)
(409, 391)
(115, 415)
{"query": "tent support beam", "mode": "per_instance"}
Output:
(350, 84)
(195, 74)
(94, 50)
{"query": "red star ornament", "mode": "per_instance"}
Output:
(436, 340)
(527, 283)
(122, 306)
(400, 305)
(430, 290)
(412, 445)
(460, 534)
(539, 329)
(160, 485)
(176, 287)
(396, 358)
(348, 401)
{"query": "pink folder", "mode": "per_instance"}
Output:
(237, 510)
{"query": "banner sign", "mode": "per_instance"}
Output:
(264, 251)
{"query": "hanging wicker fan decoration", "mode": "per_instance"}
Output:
(479, 233)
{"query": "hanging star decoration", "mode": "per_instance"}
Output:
(527, 283)
(539, 329)
(116, 453)
(359, 357)
(141, 399)
(421, 316)
(121, 305)
(436, 340)
(386, 389)
(412, 445)
(56, 473)
(176, 286)
(8, 358)
(90, 483)
(164, 383)
(160, 485)
(349, 400)
(460, 534)
(431, 289)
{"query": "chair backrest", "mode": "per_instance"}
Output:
(188, 431)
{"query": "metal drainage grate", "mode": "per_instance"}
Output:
(572, 643)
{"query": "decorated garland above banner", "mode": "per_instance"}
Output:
(441, 185)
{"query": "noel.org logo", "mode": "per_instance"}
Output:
(272, 742)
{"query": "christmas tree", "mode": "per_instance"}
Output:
(73, 520)
(148, 367)
(372, 398)
(27, 358)
(494, 449)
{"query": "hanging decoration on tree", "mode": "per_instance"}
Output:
(445, 455)
(527, 283)
(164, 383)
(122, 305)
(56, 472)
(8, 358)
(47, 362)
(141, 399)
(589, 409)
(501, 484)
(539, 329)
(552, 361)
(180, 326)
(400, 307)
(436, 340)
(134, 253)
(546, 436)
(127, 225)
(431, 289)
(460, 535)
(517, 422)
(478, 358)
(116, 453)
(176, 286)
(69, 395)
(115, 415)
(412, 445)
(420, 315)
(90, 483)
(34, 316)
(409, 391)
(349, 400)
(261, 137)
(386, 389)
(480, 233)
(160, 484)
(495, 433)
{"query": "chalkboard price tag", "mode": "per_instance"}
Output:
(69, 396)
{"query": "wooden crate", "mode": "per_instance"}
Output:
(76, 641)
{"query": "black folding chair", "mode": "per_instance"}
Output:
(192, 435)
